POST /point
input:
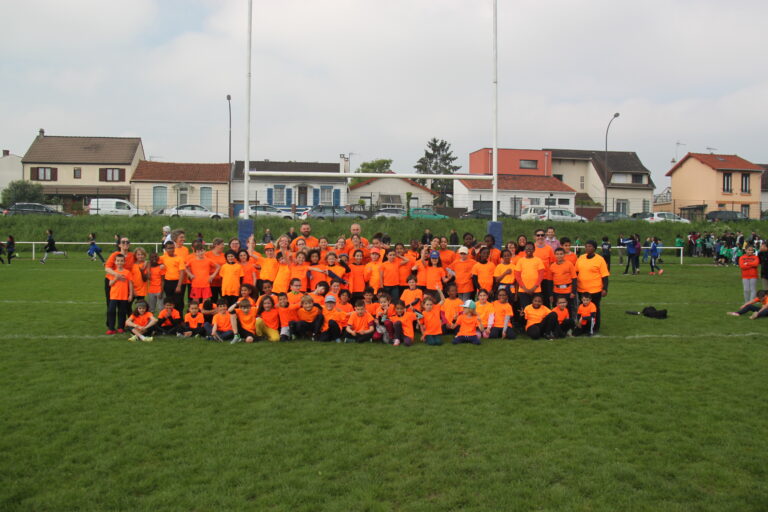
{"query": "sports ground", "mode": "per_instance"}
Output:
(650, 415)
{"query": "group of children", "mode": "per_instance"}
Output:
(345, 294)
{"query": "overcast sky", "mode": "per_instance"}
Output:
(380, 78)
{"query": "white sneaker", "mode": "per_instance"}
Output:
(236, 339)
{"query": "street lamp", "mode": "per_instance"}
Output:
(229, 102)
(607, 175)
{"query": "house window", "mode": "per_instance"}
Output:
(646, 205)
(550, 201)
(745, 183)
(622, 206)
(111, 174)
(516, 206)
(78, 173)
(326, 195)
(558, 177)
(637, 179)
(534, 201)
(206, 197)
(43, 174)
(159, 197)
(279, 198)
(745, 210)
(529, 164)
(581, 182)
(727, 187)
(563, 201)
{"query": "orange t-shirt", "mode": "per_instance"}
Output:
(120, 289)
(389, 312)
(591, 272)
(371, 308)
(230, 279)
(585, 311)
(202, 270)
(749, 265)
(317, 299)
(404, 271)
(222, 322)
(500, 311)
(335, 314)
(562, 314)
(535, 315)
(164, 320)
(484, 273)
(268, 268)
(434, 277)
(431, 322)
(282, 279)
(463, 270)
(310, 240)
(452, 308)
(315, 277)
(247, 320)
(141, 320)
(307, 316)
(484, 311)
(407, 322)
(529, 272)
(287, 314)
(300, 272)
(130, 258)
(372, 275)
(503, 267)
(360, 323)
(219, 259)
(249, 272)
(408, 296)
(347, 308)
(156, 279)
(194, 321)
(563, 275)
(468, 325)
(391, 271)
(571, 256)
(447, 257)
(271, 318)
(547, 257)
(356, 281)
(140, 286)
(173, 266)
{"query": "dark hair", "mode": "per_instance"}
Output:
(560, 249)
(294, 280)
(400, 303)
(230, 251)
(565, 240)
(368, 289)
(250, 287)
(360, 303)
(261, 304)
(146, 306)
(313, 252)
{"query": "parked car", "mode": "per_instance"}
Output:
(193, 210)
(330, 212)
(482, 213)
(33, 209)
(113, 206)
(641, 215)
(265, 210)
(359, 209)
(547, 213)
(389, 213)
(665, 217)
(725, 216)
(426, 212)
(611, 217)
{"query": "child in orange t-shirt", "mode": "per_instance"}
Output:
(221, 325)
(484, 310)
(194, 322)
(231, 273)
(155, 284)
(287, 314)
(120, 296)
(451, 308)
(334, 321)
(202, 271)
(468, 324)
(383, 316)
(310, 319)
(141, 323)
(360, 325)
(412, 296)
(402, 325)
(169, 319)
(502, 316)
(585, 317)
(540, 320)
(564, 321)
(343, 302)
(432, 322)
(267, 322)
(243, 318)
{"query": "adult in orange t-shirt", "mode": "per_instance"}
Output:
(216, 254)
(529, 272)
(306, 235)
(592, 277)
(547, 256)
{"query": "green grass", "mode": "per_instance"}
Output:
(652, 415)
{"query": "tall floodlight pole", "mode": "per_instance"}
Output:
(607, 174)
(229, 102)
(495, 171)
(247, 165)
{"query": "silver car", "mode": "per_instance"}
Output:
(265, 210)
(193, 210)
(389, 213)
(547, 213)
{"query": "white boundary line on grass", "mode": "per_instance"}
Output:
(42, 301)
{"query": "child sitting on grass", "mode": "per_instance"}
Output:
(564, 321)
(360, 325)
(334, 321)
(502, 317)
(194, 322)
(432, 321)
(221, 325)
(169, 319)
(243, 318)
(585, 317)
(383, 317)
(141, 323)
(468, 324)
(268, 320)
(402, 325)
(540, 320)
(310, 319)
(757, 306)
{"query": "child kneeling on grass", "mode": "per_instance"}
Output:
(360, 325)
(468, 324)
(585, 317)
(757, 306)
(141, 323)
(564, 321)
(540, 320)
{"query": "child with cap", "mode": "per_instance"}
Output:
(462, 268)
(468, 323)
(436, 274)
(334, 321)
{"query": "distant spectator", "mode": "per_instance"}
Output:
(166, 235)
(267, 236)
(292, 233)
(453, 237)
(427, 237)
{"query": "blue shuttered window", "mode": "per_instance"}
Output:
(159, 197)
(206, 197)
(336, 197)
(288, 196)
(315, 196)
(269, 196)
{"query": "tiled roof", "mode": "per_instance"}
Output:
(54, 149)
(618, 161)
(177, 172)
(519, 182)
(286, 167)
(371, 180)
(719, 162)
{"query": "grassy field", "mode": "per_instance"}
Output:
(652, 415)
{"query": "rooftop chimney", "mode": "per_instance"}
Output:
(41, 133)
(6, 152)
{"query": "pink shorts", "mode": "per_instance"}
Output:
(200, 293)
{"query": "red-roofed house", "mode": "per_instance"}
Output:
(157, 185)
(704, 182)
(390, 192)
(525, 179)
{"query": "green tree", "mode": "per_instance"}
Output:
(381, 165)
(21, 191)
(438, 159)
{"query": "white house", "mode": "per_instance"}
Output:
(286, 191)
(515, 193)
(381, 192)
(11, 169)
(157, 185)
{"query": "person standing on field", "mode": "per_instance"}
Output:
(749, 264)
(592, 277)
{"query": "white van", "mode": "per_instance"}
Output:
(113, 206)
